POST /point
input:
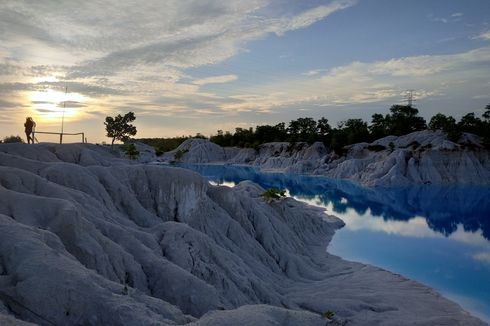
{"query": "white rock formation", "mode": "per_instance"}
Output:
(424, 157)
(196, 151)
(89, 239)
(146, 153)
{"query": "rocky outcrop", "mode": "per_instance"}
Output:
(196, 151)
(294, 158)
(89, 239)
(424, 157)
(297, 157)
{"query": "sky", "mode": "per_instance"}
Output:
(185, 67)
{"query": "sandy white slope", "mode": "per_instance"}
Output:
(89, 239)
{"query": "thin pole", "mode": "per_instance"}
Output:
(63, 116)
(410, 97)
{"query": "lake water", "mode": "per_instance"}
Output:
(439, 236)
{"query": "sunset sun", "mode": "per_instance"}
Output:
(49, 105)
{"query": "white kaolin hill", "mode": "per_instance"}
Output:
(423, 157)
(88, 239)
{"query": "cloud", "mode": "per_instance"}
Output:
(202, 42)
(72, 104)
(128, 50)
(354, 83)
(8, 69)
(314, 72)
(7, 104)
(116, 53)
(452, 18)
(430, 64)
(76, 87)
(313, 15)
(367, 82)
(105, 37)
(484, 35)
(216, 80)
(483, 257)
(120, 52)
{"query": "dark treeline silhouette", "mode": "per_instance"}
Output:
(401, 120)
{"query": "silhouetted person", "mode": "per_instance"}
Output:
(29, 126)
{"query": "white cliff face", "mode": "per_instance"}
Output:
(196, 151)
(298, 158)
(424, 157)
(294, 158)
(146, 153)
(89, 239)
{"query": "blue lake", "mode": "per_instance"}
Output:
(439, 236)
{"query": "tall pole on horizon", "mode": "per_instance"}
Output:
(63, 116)
(410, 97)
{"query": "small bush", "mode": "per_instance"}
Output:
(392, 146)
(273, 194)
(328, 314)
(179, 153)
(130, 151)
(159, 151)
(13, 139)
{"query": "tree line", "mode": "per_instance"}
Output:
(401, 120)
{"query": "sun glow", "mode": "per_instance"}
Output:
(48, 104)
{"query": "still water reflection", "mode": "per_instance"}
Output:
(439, 236)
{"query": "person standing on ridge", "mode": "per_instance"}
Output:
(29, 126)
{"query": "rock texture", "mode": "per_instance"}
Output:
(197, 151)
(424, 157)
(89, 239)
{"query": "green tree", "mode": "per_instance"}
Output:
(447, 124)
(404, 119)
(120, 127)
(486, 126)
(293, 130)
(307, 126)
(130, 150)
(267, 133)
(219, 138)
(302, 129)
(470, 123)
(379, 127)
(441, 122)
(272, 194)
(242, 137)
(356, 131)
(486, 114)
(323, 128)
